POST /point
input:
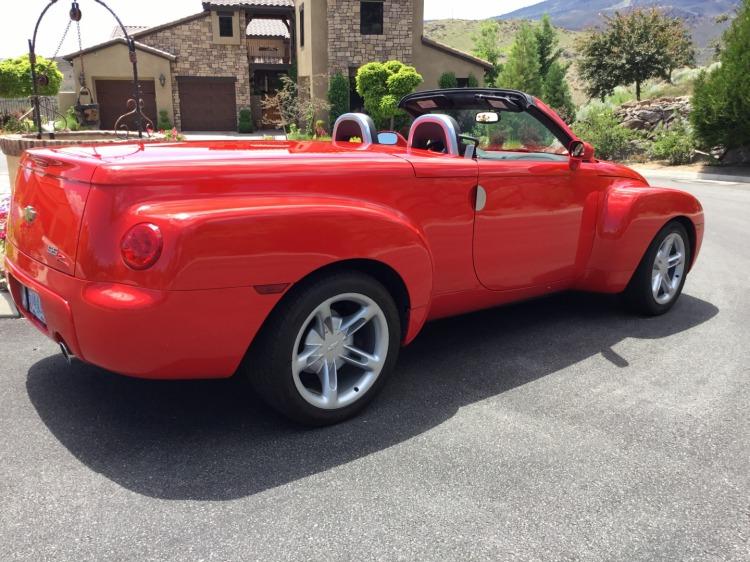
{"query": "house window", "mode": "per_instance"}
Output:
(302, 25)
(226, 24)
(371, 18)
(462, 82)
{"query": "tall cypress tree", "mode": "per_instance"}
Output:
(557, 92)
(547, 45)
(521, 71)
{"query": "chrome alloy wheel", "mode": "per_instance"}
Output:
(340, 351)
(668, 268)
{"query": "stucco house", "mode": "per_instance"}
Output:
(204, 68)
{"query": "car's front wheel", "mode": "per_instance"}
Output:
(328, 348)
(657, 283)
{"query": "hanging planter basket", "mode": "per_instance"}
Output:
(87, 113)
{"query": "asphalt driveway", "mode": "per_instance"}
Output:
(558, 429)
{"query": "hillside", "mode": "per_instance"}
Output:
(459, 34)
(699, 15)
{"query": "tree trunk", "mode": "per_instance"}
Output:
(393, 117)
(638, 90)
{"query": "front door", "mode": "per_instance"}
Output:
(536, 224)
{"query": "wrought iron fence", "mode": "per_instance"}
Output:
(22, 105)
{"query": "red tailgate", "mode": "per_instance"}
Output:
(47, 207)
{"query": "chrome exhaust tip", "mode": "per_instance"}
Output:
(66, 352)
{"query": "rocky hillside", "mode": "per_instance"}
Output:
(648, 115)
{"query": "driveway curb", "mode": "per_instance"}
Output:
(7, 307)
(681, 175)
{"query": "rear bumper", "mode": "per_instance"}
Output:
(142, 332)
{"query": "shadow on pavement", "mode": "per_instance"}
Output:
(213, 440)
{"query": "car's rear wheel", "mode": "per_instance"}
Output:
(328, 348)
(660, 277)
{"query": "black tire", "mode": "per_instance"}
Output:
(268, 363)
(638, 294)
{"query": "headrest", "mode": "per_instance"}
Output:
(355, 125)
(435, 126)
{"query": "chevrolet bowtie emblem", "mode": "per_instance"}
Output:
(29, 214)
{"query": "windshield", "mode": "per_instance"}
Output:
(514, 135)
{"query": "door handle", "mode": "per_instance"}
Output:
(481, 199)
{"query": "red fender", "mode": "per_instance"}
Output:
(630, 217)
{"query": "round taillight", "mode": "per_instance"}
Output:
(141, 246)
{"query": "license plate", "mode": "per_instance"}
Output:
(31, 302)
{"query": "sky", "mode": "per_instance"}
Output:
(97, 23)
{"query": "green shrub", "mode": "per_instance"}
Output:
(676, 145)
(15, 77)
(472, 81)
(246, 121)
(721, 102)
(12, 124)
(295, 134)
(164, 122)
(448, 80)
(382, 85)
(598, 125)
(70, 122)
(338, 96)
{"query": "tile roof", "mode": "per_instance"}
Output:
(250, 4)
(131, 29)
(267, 28)
(121, 40)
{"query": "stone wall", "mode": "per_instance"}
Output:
(348, 48)
(647, 115)
(198, 55)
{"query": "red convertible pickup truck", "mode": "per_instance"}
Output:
(306, 265)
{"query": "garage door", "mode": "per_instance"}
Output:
(207, 104)
(113, 96)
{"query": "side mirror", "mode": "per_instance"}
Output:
(580, 151)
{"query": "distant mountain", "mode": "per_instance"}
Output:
(580, 14)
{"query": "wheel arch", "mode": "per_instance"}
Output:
(378, 270)
(692, 235)
(630, 218)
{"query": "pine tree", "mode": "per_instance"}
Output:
(547, 44)
(487, 47)
(557, 92)
(521, 71)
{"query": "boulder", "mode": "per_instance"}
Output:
(737, 156)
(648, 115)
(635, 124)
